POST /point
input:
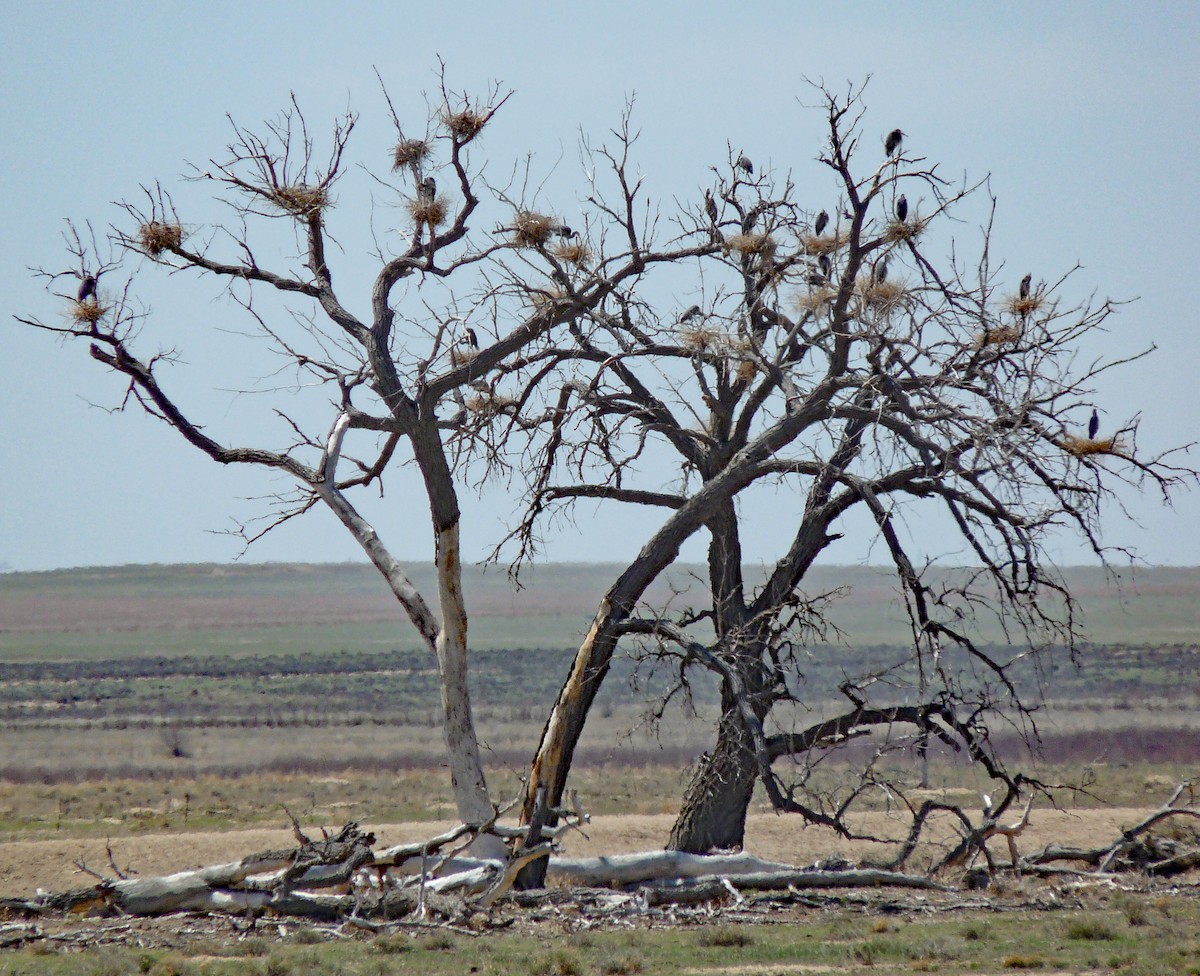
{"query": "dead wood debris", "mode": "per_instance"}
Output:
(342, 883)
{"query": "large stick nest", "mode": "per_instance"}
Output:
(301, 199)
(532, 229)
(156, 236)
(410, 152)
(429, 213)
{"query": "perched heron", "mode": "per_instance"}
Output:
(691, 313)
(1093, 425)
(87, 288)
(902, 209)
(894, 140)
(816, 279)
(822, 223)
(427, 190)
(469, 350)
(566, 233)
(826, 265)
(880, 275)
(1026, 284)
(710, 207)
(743, 162)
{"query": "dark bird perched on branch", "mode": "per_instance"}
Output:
(470, 349)
(902, 209)
(1026, 284)
(743, 162)
(691, 313)
(427, 189)
(894, 140)
(1093, 425)
(87, 288)
(822, 223)
(826, 265)
(880, 275)
(710, 207)
(565, 232)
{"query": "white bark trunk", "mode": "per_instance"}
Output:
(466, 770)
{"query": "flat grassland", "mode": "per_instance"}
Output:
(179, 710)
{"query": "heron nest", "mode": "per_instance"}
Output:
(816, 299)
(1086, 446)
(885, 295)
(764, 245)
(996, 337)
(1023, 307)
(701, 339)
(156, 236)
(545, 296)
(87, 312)
(747, 370)
(465, 124)
(817, 245)
(428, 213)
(488, 404)
(301, 199)
(904, 230)
(533, 229)
(573, 252)
(409, 152)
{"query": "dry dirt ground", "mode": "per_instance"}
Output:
(50, 864)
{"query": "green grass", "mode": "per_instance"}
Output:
(844, 940)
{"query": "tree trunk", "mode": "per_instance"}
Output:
(713, 815)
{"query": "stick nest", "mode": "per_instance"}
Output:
(429, 213)
(996, 337)
(409, 152)
(487, 404)
(824, 244)
(701, 340)
(815, 300)
(904, 230)
(546, 296)
(1085, 446)
(763, 245)
(882, 294)
(156, 236)
(301, 200)
(747, 370)
(464, 124)
(1023, 307)
(532, 229)
(574, 252)
(87, 312)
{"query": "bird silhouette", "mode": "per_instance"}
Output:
(826, 265)
(87, 288)
(710, 207)
(902, 209)
(1093, 425)
(881, 271)
(566, 233)
(427, 190)
(743, 162)
(1026, 284)
(691, 313)
(822, 223)
(894, 140)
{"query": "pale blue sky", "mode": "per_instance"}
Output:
(1084, 114)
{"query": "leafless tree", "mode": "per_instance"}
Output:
(472, 287)
(856, 370)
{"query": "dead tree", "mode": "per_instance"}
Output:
(471, 292)
(861, 372)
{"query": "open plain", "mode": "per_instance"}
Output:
(171, 715)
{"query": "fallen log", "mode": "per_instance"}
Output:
(625, 869)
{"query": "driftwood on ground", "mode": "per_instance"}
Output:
(342, 877)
